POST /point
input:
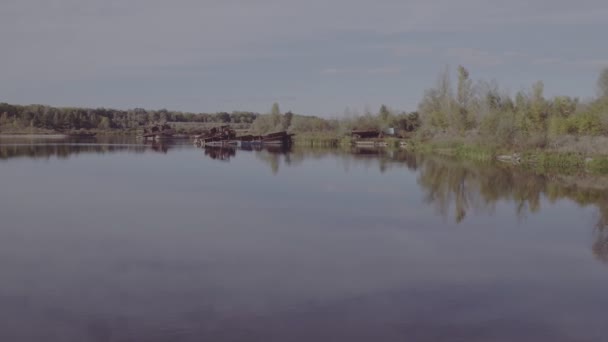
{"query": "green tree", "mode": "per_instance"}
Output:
(564, 106)
(275, 117)
(287, 118)
(263, 124)
(4, 118)
(384, 114)
(105, 123)
(222, 117)
(463, 121)
(431, 110)
(537, 111)
(436, 106)
(275, 109)
(602, 84)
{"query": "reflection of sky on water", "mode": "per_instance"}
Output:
(178, 245)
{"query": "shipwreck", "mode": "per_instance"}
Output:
(226, 136)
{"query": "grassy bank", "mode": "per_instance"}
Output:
(320, 140)
(538, 160)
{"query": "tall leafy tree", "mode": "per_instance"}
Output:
(384, 114)
(287, 118)
(465, 94)
(602, 84)
(275, 116)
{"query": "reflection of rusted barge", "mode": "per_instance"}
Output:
(225, 136)
(220, 153)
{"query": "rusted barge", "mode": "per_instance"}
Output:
(365, 134)
(225, 136)
(368, 138)
(217, 136)
(278, 138)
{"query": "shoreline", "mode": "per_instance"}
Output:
(543, 160)
(538, 160)
(33, 135)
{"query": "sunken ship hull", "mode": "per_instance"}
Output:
(224, 136)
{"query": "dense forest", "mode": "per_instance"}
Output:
(14, 118)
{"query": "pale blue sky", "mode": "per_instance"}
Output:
(313, 57)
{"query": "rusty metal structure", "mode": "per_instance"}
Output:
(366, 134)
(217, 136)
(225, 136)
(278, 138)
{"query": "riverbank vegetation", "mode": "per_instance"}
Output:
(474, 119)
(483, 114)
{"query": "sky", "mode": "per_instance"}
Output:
(312, 57)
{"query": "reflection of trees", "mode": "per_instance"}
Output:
(65, 147)
(160, 147)
(600, 245)
(383, 159)
(464, 186)
(61, 150)
(445, 185)
(461, 187)
(273, 155)
(220, 153)
(456, 187)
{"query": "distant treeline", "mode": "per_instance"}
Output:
(18, 118)
(336, 127)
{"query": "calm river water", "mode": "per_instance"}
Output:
(120, 241)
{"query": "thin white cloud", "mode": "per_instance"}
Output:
(577, 63)
(475, 57)
(592, 63)
(547, 61)
(390, 70)
(384, 71)
(515, 54)
(410, 50)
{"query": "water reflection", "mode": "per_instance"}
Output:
(272, 155)
(467, 186)
(220, 153)
(41, 148)
(340, 245)
(463, 187)
(158, 146)
(454, 188)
